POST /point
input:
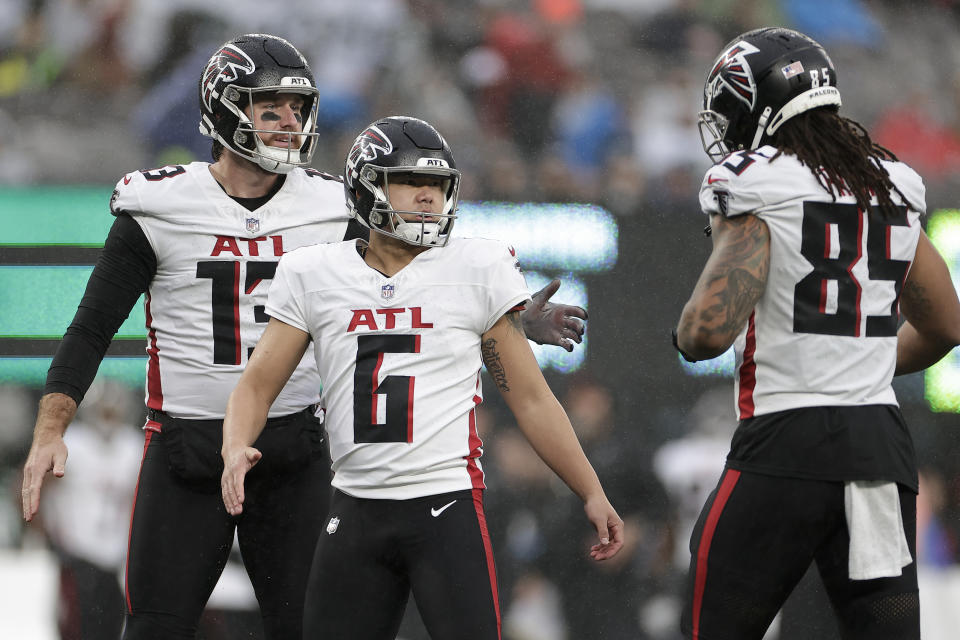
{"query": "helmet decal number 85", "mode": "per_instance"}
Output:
(816, 76)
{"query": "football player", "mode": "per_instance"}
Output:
(203, 240)
(817, 247)
(399, 328)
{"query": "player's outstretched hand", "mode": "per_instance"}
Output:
(236, 464)
(609, 528)
(546, 322)
(47, 453)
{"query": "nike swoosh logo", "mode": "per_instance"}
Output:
(126, 179)
(436, 512)
(711, 179)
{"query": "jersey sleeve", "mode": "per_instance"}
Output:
(126, 194)
(286, 295)
(730, 187)
(506, 285)
(910, 185)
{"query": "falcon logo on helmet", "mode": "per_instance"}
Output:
(241, 70)
(397, 147)
(733, 71)
(368, 146)
(227, 64)
(763, 78)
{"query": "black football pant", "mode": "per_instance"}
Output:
(755, 539)
(373, 553)
(181, 534)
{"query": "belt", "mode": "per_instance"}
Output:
(162, 416)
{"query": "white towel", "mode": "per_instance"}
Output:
(878, 546)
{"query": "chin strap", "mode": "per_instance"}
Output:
(761, 125)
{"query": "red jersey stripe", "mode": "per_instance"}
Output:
(154, 384)
(748, 371)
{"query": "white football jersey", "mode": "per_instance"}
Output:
(400, 358)
(204, 309)
(825, 329)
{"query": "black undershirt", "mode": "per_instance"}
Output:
(836, 443)
(123, 272)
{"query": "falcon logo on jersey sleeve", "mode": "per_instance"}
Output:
(228, 64)
(113, 202)
(732, 71)
(723, 201)
(516, 260)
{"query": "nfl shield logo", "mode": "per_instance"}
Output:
(253, 225)
(386, 291)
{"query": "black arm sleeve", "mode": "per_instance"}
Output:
(123, 272)
(356, 230)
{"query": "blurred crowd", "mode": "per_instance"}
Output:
(542, 100)
(556, 100)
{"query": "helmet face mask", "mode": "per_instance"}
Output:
(760, 80)
(239, 72)
(713, 132)
(393, 148)
(387, 219)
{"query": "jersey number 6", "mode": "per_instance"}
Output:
(382, 411)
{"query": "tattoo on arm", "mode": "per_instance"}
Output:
(491, 358)
(916, 299)
(734, 303)
(516, 321)
(739, 278)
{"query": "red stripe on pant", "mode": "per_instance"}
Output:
(150, 428)
(485, 534)
(730, 478)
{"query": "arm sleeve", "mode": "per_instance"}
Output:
(123, 272)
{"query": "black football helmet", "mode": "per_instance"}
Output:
(247, 65)
(762, 79)
(399, 145)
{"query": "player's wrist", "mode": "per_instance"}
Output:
(686, 356)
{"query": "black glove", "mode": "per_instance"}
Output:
(557, 324)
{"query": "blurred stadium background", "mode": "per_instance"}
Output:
(574, 124)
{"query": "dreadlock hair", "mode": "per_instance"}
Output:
(841, 155)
